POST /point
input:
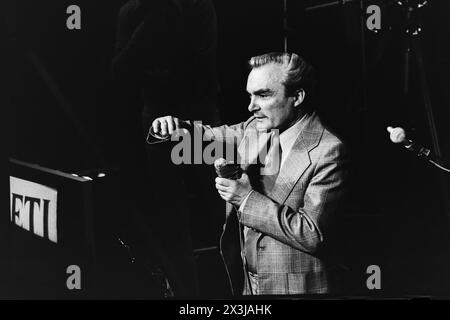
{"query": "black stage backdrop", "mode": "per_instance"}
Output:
(62, 113)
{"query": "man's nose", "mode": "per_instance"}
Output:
(252, 106)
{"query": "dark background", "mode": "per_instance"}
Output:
(396, 217)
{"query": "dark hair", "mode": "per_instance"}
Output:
(299, 73)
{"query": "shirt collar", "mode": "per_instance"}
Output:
(288, 136)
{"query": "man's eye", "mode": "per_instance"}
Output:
(260, 95)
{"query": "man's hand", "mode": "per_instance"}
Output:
(234, 191)
(167, 125)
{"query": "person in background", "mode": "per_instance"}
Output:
(164, 62)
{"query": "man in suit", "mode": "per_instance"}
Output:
(279, 223)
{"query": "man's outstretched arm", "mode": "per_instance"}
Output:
(164, 128)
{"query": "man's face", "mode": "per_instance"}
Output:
(268, 101)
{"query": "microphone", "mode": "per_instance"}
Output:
(398, 135)
(227, 169)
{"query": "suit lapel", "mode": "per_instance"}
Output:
(296, 162)
(298, 159)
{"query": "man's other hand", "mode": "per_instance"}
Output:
(234, 191)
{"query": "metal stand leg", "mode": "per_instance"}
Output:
(430, 118)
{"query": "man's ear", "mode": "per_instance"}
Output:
(299, 96)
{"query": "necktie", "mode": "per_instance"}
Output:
(263, 179)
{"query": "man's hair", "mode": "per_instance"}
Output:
(299, 73)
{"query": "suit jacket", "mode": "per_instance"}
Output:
(295, 219)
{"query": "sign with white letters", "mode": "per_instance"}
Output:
(33, 207)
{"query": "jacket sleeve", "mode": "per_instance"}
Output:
(232, 134)
(229, 134)
(304, 229)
